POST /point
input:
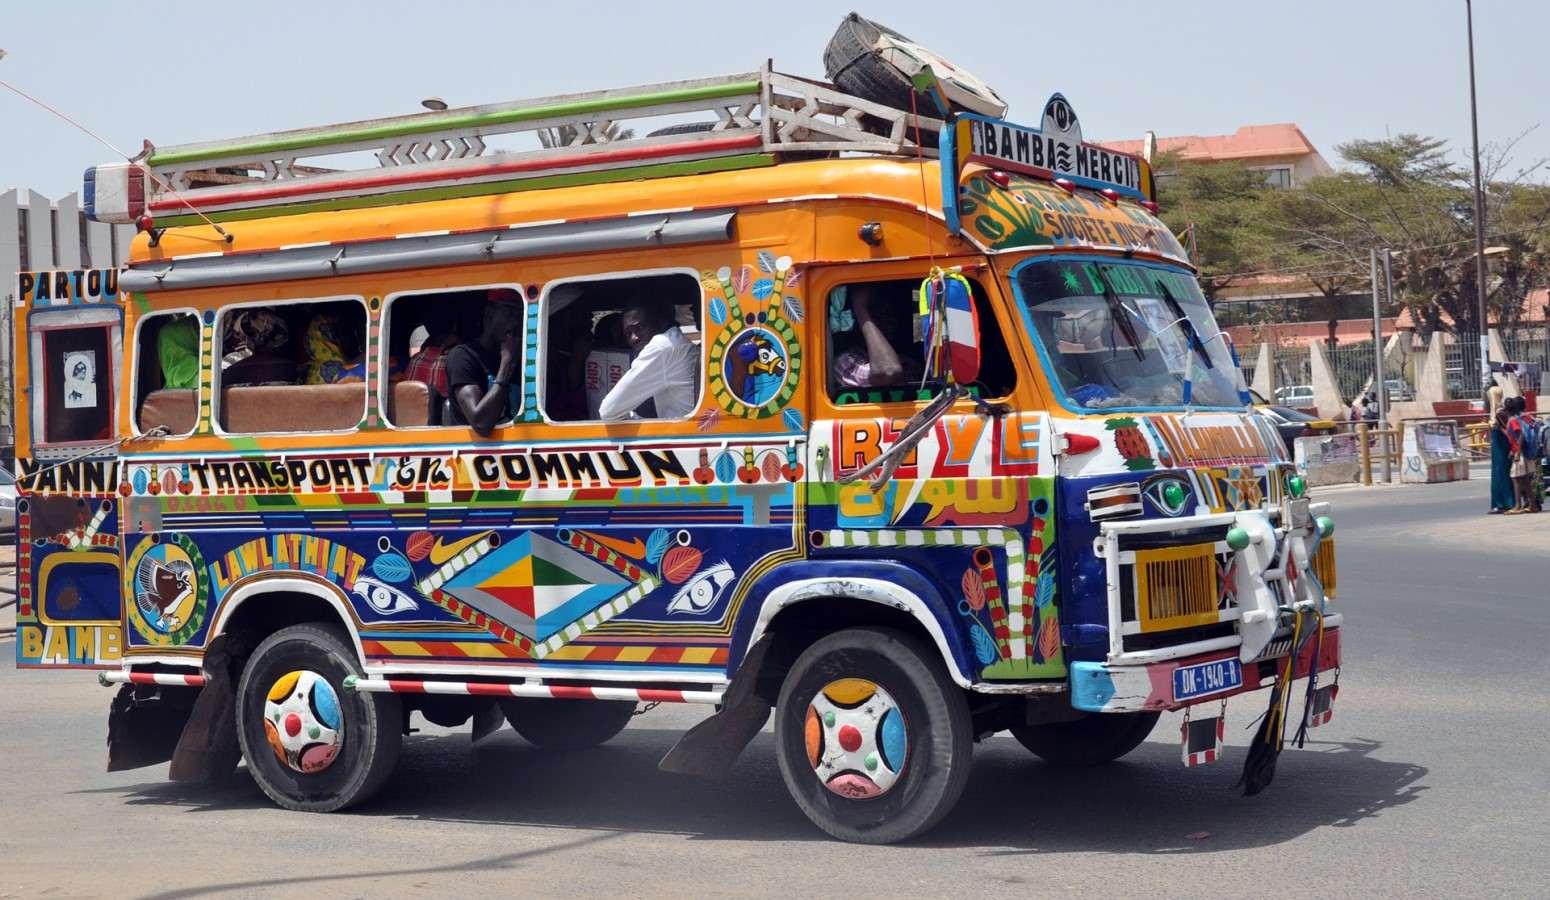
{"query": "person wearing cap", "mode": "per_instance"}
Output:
(480, 373)
(663, 372)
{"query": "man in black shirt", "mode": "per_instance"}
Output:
(480, 373)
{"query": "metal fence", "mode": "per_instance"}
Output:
(1403, 362)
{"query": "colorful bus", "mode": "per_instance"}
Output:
(1057, 515)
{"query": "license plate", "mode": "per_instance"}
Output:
(1205, 679)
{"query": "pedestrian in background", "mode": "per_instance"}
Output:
(1502, 499)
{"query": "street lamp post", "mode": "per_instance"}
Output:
(1474, 128)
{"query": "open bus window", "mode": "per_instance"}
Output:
(421, 330)
(73, 354)
(167, 372)
(289, 367)
(626, 347)
(876, 350)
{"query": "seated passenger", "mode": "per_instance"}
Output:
(334, 351)
(480, 373)
(253, 345)
(177, 351)
(429, 363)
(664, 371)
(867, 338)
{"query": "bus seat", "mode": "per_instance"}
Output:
(410, 404)
(255, 409)
(177, 410)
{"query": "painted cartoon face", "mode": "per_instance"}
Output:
(702, 591)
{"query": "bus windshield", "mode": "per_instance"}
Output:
(1118, 333)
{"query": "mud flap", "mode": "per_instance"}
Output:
(208, 748)
(710, 748)
(143, 730)
(487, 721)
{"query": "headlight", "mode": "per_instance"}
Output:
(6, 502)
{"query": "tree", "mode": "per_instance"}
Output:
(1223, 202)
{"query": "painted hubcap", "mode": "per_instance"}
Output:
(302, 721)
(856, 738)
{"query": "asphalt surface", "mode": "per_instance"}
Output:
(1430, 781)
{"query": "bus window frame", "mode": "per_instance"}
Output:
(86, 316)
(384, 383)
(218, 388)
(206, 333)
(702, 385)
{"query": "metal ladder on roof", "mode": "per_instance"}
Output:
(746, 119)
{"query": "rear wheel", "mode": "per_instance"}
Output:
(873, 740)
(567, 724)
(1097, 738)
(311, 745)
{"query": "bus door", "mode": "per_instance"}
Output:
(69, 609)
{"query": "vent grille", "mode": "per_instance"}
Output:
(1176, 587)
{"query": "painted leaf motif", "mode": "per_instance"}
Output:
(984, 647)
(973, 590)
(709, 280)
(726, 467)
(743, 279)
(766, 261)
(709, 419)
(791, 305)
(679, 563)
(771, 464)
(391, 567)
(657, 544)
(793, 278)
(1046, 591)
(718, 310)
(1049, 639)
(763, 288)
(792, 419)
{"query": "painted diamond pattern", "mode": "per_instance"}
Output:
(536, 586)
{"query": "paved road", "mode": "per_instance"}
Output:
(1430, 781)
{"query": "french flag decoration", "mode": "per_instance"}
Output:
(951, 328)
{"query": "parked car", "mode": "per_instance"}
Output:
(1295, 395)
(7, 500)
(1292, 424)
(1399, 391)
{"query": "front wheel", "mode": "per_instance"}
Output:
(309, 744)
(1093, 739)
(873, 740)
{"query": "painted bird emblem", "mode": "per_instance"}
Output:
(162, 589)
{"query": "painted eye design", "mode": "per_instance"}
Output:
(381, 597)
(702, 591)
(1171, 496)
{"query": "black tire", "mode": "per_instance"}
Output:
(368, 726)
(851, 62)
(1089, 741)
(682, 128)
(567, 724)
(919, 759)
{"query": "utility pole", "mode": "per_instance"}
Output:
(1378, 385)
(1474, 128)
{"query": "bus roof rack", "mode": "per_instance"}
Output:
(754, 118)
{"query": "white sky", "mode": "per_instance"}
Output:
(176, 71)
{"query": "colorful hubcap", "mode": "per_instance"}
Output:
(857, 740)
(302, 721)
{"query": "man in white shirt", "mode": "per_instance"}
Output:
(665, 371)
